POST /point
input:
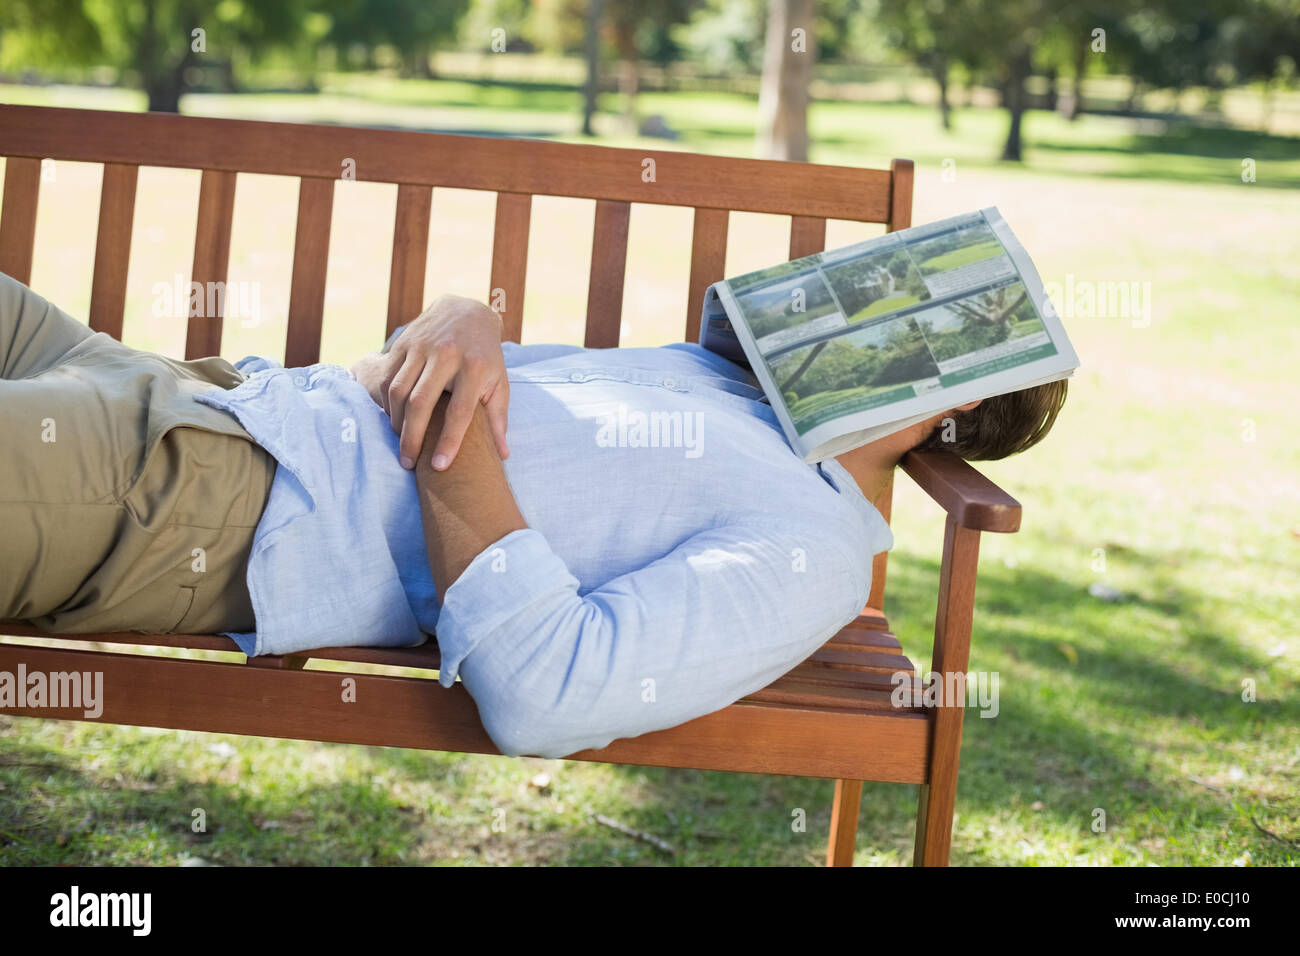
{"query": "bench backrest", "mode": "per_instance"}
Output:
(514, 169)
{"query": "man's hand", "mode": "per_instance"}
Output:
(455, 346)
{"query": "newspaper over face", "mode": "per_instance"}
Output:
(855, 343)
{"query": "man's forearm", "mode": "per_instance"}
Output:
(467, 507)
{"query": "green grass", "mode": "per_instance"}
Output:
(1023, 328)
(961, 257)
(815, 403)
(889, 303)
(1132, 707)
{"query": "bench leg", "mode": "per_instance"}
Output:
(844, 822)
(938, 801)
(934, 819)
(952, 627)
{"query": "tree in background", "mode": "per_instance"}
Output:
(156, 39)
(1262, 42)
(1214, 44)
(791, 50)
(412, 28)
(642, 29)
(725, 37)
(157, 42)
(919, 29)
(994, 39)
(515, 19)
(591, 55)
(42, 33)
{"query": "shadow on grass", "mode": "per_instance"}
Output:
(59, 811)
(1075, 733)
(1070, 733)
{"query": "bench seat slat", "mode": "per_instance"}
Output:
(790, 690)
(882, 642)
(424, 656)
(398, 711)
(861, 660)
(810, 672)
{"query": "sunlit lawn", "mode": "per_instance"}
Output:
(1171, 479)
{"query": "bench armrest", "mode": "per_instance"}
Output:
(970, 499)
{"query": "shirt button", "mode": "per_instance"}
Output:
(670, 383)
(577, 377)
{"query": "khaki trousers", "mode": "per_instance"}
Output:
(124, 503)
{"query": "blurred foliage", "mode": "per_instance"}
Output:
(151, 44)
(412, 28)
(724, 36)
(517, 18)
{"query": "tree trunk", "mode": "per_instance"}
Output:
(164, 93)
(591, 91)
(163, 78)
(1013, 98)
(803, 367)
(229, 82)
(629, 70)
(787, 72)
(1073, 101)
(939, 70)
(1134, 97)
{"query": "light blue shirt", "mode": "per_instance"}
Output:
(678, 554)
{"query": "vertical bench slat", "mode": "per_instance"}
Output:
(311, 246)
(410, 253)
(510, 260)
(900, 217)
(708, 263)
(18, 217)
(902, 173)
(807, 236)
(880, 563)
(608, 268)
(211, 260)
(113, 248)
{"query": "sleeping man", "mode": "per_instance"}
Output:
(608, 541)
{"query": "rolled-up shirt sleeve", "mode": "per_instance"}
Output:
(727, 612)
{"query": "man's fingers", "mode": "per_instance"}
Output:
(437, 376)
(396, 389)
(497, 404)
(392, 364)
(460, 412)
(417, 413)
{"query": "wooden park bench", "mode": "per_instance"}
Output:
(831, 716)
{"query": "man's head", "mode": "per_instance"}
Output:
(999, 426)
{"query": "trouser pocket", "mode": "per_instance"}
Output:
(178, 559)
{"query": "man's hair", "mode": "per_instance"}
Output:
(1002, 425)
